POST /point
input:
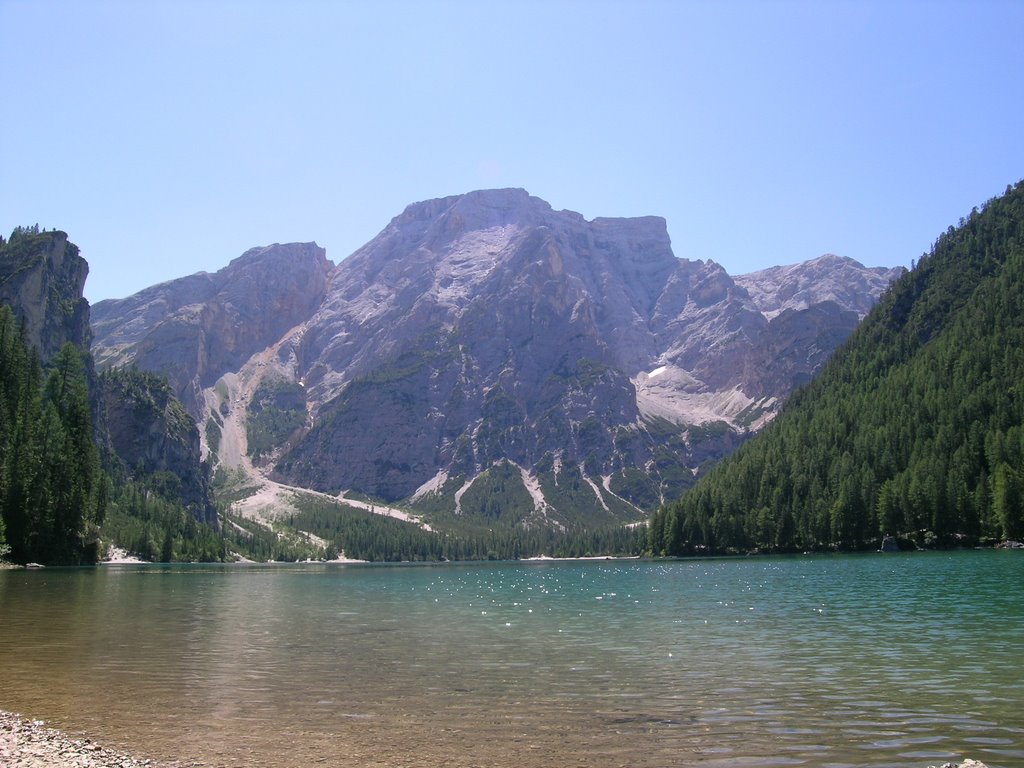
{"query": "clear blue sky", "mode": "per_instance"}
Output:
(168, 137)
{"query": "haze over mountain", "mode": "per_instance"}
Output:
(577, 369)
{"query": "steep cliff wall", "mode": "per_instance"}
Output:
(41, 277)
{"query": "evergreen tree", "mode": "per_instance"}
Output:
(49, 464)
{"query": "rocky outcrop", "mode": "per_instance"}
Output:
(195, 329)
(42, 277)
(489, 330)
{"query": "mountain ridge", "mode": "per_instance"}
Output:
(487, 335)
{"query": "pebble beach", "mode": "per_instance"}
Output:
(26, 743)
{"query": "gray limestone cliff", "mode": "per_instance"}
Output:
(195, 329)
(155, 438)
(42, 277)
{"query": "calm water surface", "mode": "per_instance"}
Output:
(894, 660)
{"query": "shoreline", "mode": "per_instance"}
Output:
(28, 743)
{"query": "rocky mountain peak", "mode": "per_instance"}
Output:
(826, 278)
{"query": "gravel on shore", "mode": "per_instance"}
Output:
(30, 744)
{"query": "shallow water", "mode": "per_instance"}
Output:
(881, 660)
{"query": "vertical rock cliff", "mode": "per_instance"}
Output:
(41, 277)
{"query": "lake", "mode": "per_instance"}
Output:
(874, 660)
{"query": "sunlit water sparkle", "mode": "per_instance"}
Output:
(880, 660)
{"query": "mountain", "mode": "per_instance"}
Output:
(914, 429)
(488, 358)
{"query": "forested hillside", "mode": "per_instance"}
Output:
(86, 462)
(915, 427)
(51, 487)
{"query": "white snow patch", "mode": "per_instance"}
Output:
(657, 371)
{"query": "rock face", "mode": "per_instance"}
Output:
(826, 278)
(487, 335)
(194, 329)
(41, 278)
(154, 437)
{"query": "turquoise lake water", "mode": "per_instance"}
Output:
(873, 660)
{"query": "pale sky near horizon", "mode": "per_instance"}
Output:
(167, 138)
